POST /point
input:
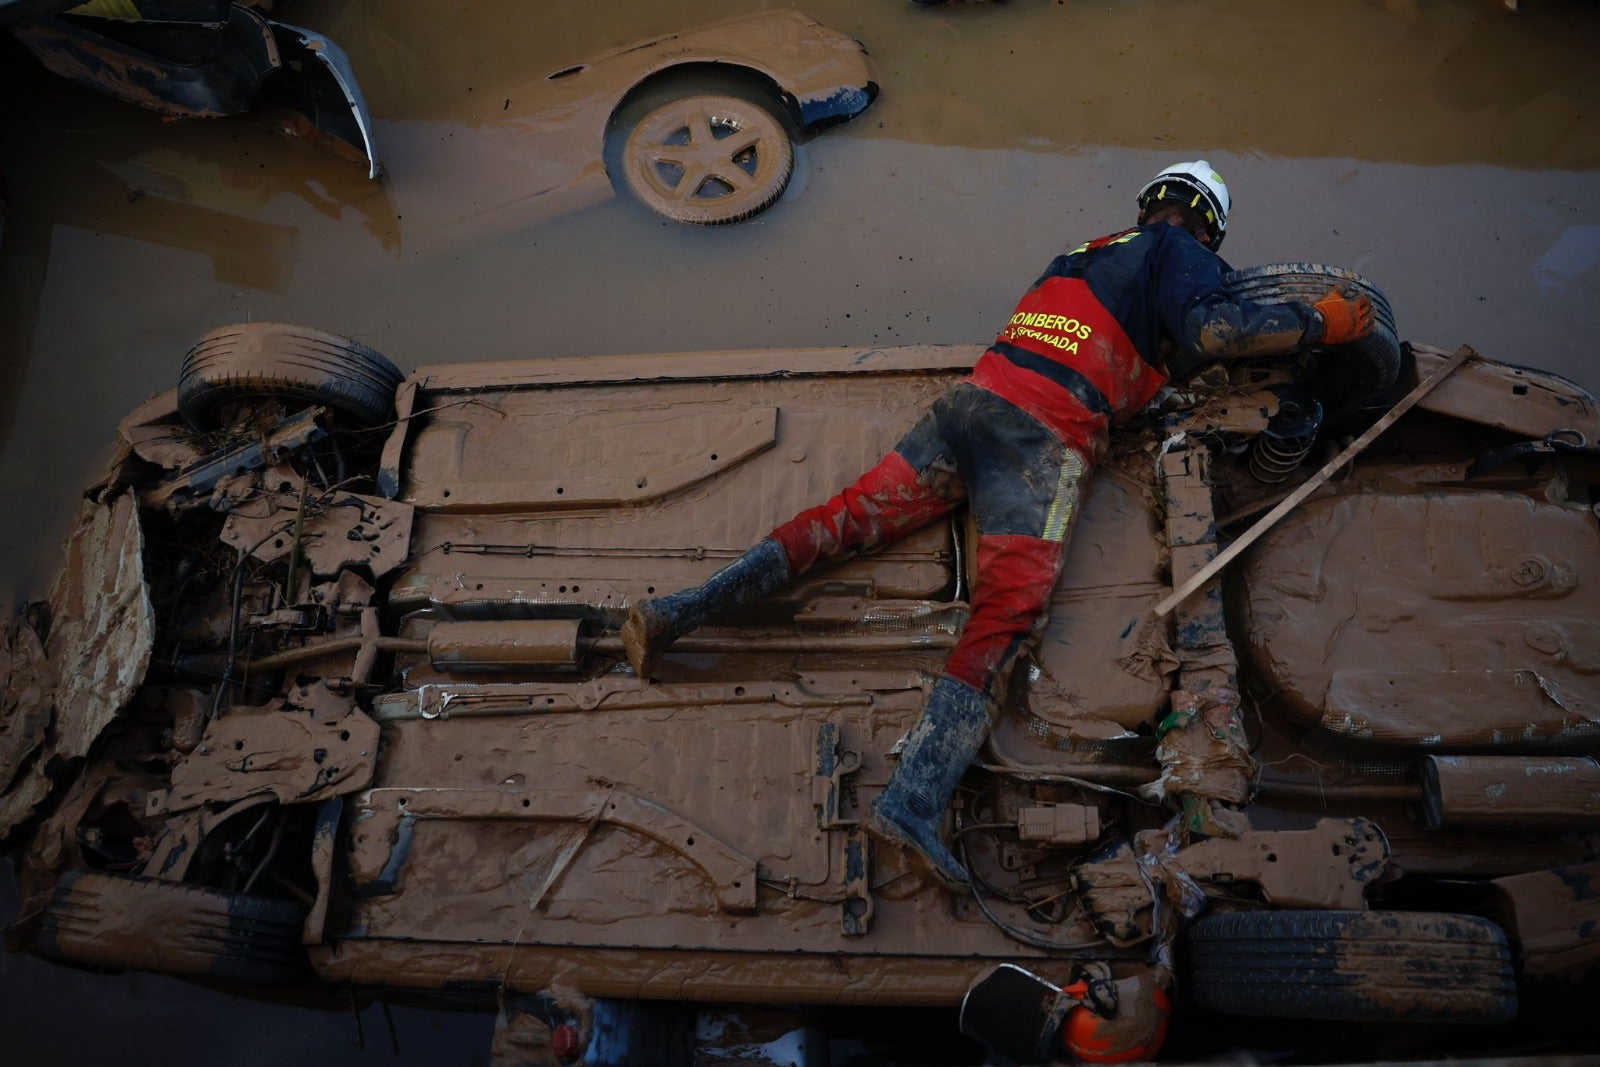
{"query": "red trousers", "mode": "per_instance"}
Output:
(1023, 484)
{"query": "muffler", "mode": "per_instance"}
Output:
(515, 645)
(1511, 792)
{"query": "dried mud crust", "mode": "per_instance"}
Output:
(272, 359)
(708, 153)
(1372, 364)
(1351, 966)
(122, 922)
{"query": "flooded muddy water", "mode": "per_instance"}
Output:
(1449, 150)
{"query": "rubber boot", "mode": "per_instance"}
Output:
(949, 733)
(654, 624)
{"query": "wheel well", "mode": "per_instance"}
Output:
(712, 76)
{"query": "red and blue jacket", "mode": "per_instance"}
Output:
(1089, 344)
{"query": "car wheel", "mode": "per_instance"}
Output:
(707, 158)
(1361, 373)
(258, 360)
(1351, 966)
(122, 922)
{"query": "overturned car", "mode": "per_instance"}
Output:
(329, 684)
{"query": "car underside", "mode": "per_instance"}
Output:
(330, 684)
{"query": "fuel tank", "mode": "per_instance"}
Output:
(1452, 621)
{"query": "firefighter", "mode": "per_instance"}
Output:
(1089, 344)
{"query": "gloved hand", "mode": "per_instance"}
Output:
(1344, 319)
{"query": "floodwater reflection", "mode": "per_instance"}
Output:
(1572, 263)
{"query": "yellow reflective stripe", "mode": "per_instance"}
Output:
(1124, 239)
(109, 9)
(1064, 508)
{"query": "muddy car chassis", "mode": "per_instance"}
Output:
(330, 681)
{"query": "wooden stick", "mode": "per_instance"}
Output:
(1294, 499)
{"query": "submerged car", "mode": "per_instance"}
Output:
(329, 685)
(200, 59)
(698, 125)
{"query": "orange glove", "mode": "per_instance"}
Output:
(1344, 319)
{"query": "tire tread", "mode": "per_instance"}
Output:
(104, 920)
(268, 359)
(1342, 966)
(1377, 356)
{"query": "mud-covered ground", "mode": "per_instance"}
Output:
(1447, 149)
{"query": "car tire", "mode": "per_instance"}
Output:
(710, 154)
(1364, 371)
(260, 360)
(122, 922)
(1351, 966)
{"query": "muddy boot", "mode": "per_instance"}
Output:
(654, 624)
(949, 733)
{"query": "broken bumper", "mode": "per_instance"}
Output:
(204, 69)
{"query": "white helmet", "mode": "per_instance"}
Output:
(1195, 185)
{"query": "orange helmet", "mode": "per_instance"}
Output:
(1136, 1032)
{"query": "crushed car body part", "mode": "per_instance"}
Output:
(1202, 748)
(340, 529)
(1329, 866)
(297, 758)
(28, 681)
(243, 53)
(202, 68)
(1521, 400)
(195, 483)
(308, 52)
(101, 633)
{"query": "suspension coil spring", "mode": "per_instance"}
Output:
(1272, 460)
(1287, 440)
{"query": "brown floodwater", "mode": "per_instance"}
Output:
(1449, 150)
